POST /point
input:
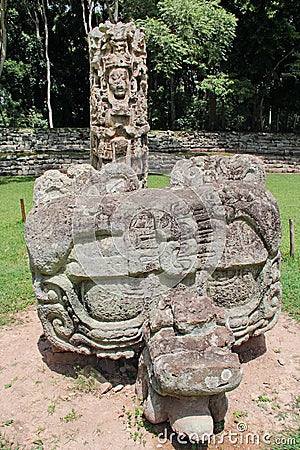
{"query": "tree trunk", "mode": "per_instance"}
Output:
(172, 102)
(261, 114)
(254, 126)
(84, 18)
(91, 6)
(3, 33)
(87, 16)
(277, 119)
(111, 18)
(48, 66)
(116, 11)
(223, 121)
(37, 24)
(212, 105)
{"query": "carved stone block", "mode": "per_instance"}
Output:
(182, 274)
(118, 76)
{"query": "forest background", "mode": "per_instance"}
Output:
(213, 65)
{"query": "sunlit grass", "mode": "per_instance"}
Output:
(16, 291)
(286, 190)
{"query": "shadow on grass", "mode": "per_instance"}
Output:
(16, 179)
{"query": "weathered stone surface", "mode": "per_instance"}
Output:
(185, 274)
(191, 365)
(209, 169)
(119, 96)
(54, 184)
(49, 234)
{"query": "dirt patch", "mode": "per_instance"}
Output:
(46, 404)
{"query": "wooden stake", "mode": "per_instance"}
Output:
(292, 237)
(23, 210)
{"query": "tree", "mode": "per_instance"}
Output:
(3, 32)
(24, 86)
(188, 41)
(204, 72)
(43, 7)
(266, 52)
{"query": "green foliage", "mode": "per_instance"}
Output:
(220, 64)
(139, 9)
(71, 416)
(166, 49)
(240, 415)
(20, 84)
(287, 441)
(86, 382)
(220, 85)
(6, 444)
(263, 399)
(187, 41)
(205, 27)
(23, 81)
(35, 119)
(266, 52)
(136, 423)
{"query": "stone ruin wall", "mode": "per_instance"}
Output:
(31, 152)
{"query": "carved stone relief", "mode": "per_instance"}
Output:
(118, 75)
(181, 274)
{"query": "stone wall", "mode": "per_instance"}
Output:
(280, 152)
(31, 152)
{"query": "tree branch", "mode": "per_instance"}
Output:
(109, 12)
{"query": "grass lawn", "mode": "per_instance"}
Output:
(286, 190)
(16, 291)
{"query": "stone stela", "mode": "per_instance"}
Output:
(118, 77)
(181, 276)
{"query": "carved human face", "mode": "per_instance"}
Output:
(118, 81)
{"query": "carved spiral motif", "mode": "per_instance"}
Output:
(57, 322)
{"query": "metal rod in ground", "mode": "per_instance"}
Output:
(292, 237)
(23, 209)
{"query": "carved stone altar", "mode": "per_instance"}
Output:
(118, 75)
(180, 275)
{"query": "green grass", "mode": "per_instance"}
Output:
(6, 444)
(287, 442)
(158, 181)
(286, 190)
(16, 291)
